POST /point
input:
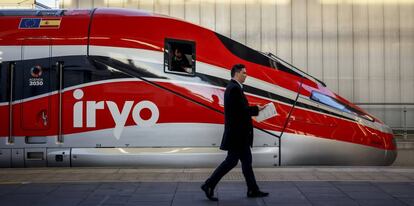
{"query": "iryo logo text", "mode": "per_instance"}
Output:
(119, 116)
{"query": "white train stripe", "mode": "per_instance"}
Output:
(10, 53)
(60, 50)
(36, 52)
(14, 53)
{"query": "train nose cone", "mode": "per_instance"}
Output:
(390, 154)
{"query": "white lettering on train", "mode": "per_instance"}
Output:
(119, 116)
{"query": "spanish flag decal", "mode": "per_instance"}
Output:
(50, 23)
(40, 23)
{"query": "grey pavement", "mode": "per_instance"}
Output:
(181, 186)
(189, 193)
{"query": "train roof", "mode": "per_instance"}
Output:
(71, 12)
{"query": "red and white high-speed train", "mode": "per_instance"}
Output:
(98, 88)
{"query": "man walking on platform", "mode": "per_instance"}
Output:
(238, 136)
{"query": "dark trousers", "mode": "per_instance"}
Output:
(233, 157)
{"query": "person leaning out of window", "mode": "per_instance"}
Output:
(179, 62)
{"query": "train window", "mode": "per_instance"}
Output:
(329, 101)
(179, 57)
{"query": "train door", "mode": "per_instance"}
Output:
(35, 103)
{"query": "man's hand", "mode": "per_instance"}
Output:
(261, 107)
(188, 70)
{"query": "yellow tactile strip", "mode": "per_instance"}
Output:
(57, 175)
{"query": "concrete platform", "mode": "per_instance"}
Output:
(143, 186)
(189, 193)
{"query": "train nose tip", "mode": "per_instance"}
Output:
(391, 151)
(390, 156)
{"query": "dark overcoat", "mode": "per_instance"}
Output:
(238, 126)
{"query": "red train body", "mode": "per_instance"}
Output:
(96, 87)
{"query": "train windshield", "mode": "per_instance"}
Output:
(327, 100)
(337, 104)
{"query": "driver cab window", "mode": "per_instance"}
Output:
(179, 57)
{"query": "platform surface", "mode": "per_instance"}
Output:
(160, 186)
(189, 193)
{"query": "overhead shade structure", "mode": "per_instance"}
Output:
(28, 4)
(19, 4)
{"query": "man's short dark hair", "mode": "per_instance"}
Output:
(178, 49)
(236, 68)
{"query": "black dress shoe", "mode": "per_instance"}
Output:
(209, 192)
(257, 193)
